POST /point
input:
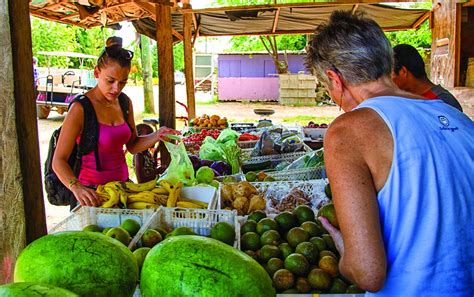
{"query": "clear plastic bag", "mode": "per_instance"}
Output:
(310, 160)
(180, 168)
(211, 150)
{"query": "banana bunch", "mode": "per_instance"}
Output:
(144, 196)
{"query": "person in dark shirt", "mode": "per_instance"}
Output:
(410, 75)
(144, 162)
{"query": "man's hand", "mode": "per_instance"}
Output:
(335, 234)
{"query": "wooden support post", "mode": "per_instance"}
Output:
(188, 63)
(147, 73)
(166, 98)
(22, 216)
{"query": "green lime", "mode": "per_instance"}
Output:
(286, 220)
(257, 216)
(92, 228)
(297, 263)
(271, 237)
(131, 226)
(251, 176)
(250, 241)
(249, 226)
(224, 232)
(265, 225)
(303, 213)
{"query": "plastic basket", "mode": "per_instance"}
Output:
(276, 159)
(103, 217)
(247, 144)
(280, 189)
(298, 174)
(199, 220)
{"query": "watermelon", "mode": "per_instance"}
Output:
(86, 263)
(191, 265)
(33, 290)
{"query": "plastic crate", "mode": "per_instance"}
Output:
(205, 194)
(280, 189)
(246, 157)
(199, 220)
(298, 174)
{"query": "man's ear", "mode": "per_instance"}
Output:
(96, 72)
(403, 72)
(335, 80)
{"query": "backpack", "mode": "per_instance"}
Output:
(56, 191)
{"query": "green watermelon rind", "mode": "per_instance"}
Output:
(199, 266)
(86, 263)
(34, 290)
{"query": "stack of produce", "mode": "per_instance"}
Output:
(296, 251)
(248, 137)
(123, 233)
(241, 196)
(224, 148)
(193, 140)
(145, 195)
(207, 122)
(220, 168)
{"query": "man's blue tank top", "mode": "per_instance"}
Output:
(427, 203)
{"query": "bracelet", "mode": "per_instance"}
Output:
(72, 182)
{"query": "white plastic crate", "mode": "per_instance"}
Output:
(298, 174)
(103, 217)
(204, 194)
(280, 189)
(246, 157)
(199, 220)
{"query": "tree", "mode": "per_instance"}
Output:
(270, 44)
(53, 36)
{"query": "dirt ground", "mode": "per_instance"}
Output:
(234, 111)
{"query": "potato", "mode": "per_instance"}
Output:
(227, 194)
(241, 204)
(222, 122)
(256, 203)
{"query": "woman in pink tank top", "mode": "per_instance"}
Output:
(115, 129)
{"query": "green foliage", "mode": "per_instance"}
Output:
(420, 38)
(178, 53)
(52, 36)
(253, 43)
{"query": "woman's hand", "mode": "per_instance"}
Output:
(85, 196)
(164, 131)
(335, 234)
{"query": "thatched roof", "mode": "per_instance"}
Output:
(248, 20)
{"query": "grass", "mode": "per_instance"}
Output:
(304, 119)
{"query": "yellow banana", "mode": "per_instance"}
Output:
(123, 198)
(173, 190)
(160, 190)
(114, 196)
(133, 187)
(145, 196)
(187, 204)
(161, 198)
(142, 205)
(200, 203)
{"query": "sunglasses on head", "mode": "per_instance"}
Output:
(118, 52)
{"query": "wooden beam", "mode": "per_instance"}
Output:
(289, 32)
(177, 34)
(188, 63)
(195, 23)
(148, 7)
(421, 20)
(354, 8)
(281, 5)
(457, 47)
(468, 3)
(22, 207)
(166, 98)
(196, 34)
(275, 20)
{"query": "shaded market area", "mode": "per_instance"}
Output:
(254, 187)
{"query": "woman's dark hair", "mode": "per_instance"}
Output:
(144, 129)
(406, 55)
(116, 53)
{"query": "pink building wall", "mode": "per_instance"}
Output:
(248, 88)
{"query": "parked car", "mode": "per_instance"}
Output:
(179, 78)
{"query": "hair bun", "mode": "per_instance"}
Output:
(114, 41)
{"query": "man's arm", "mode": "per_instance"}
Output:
(351, 149)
